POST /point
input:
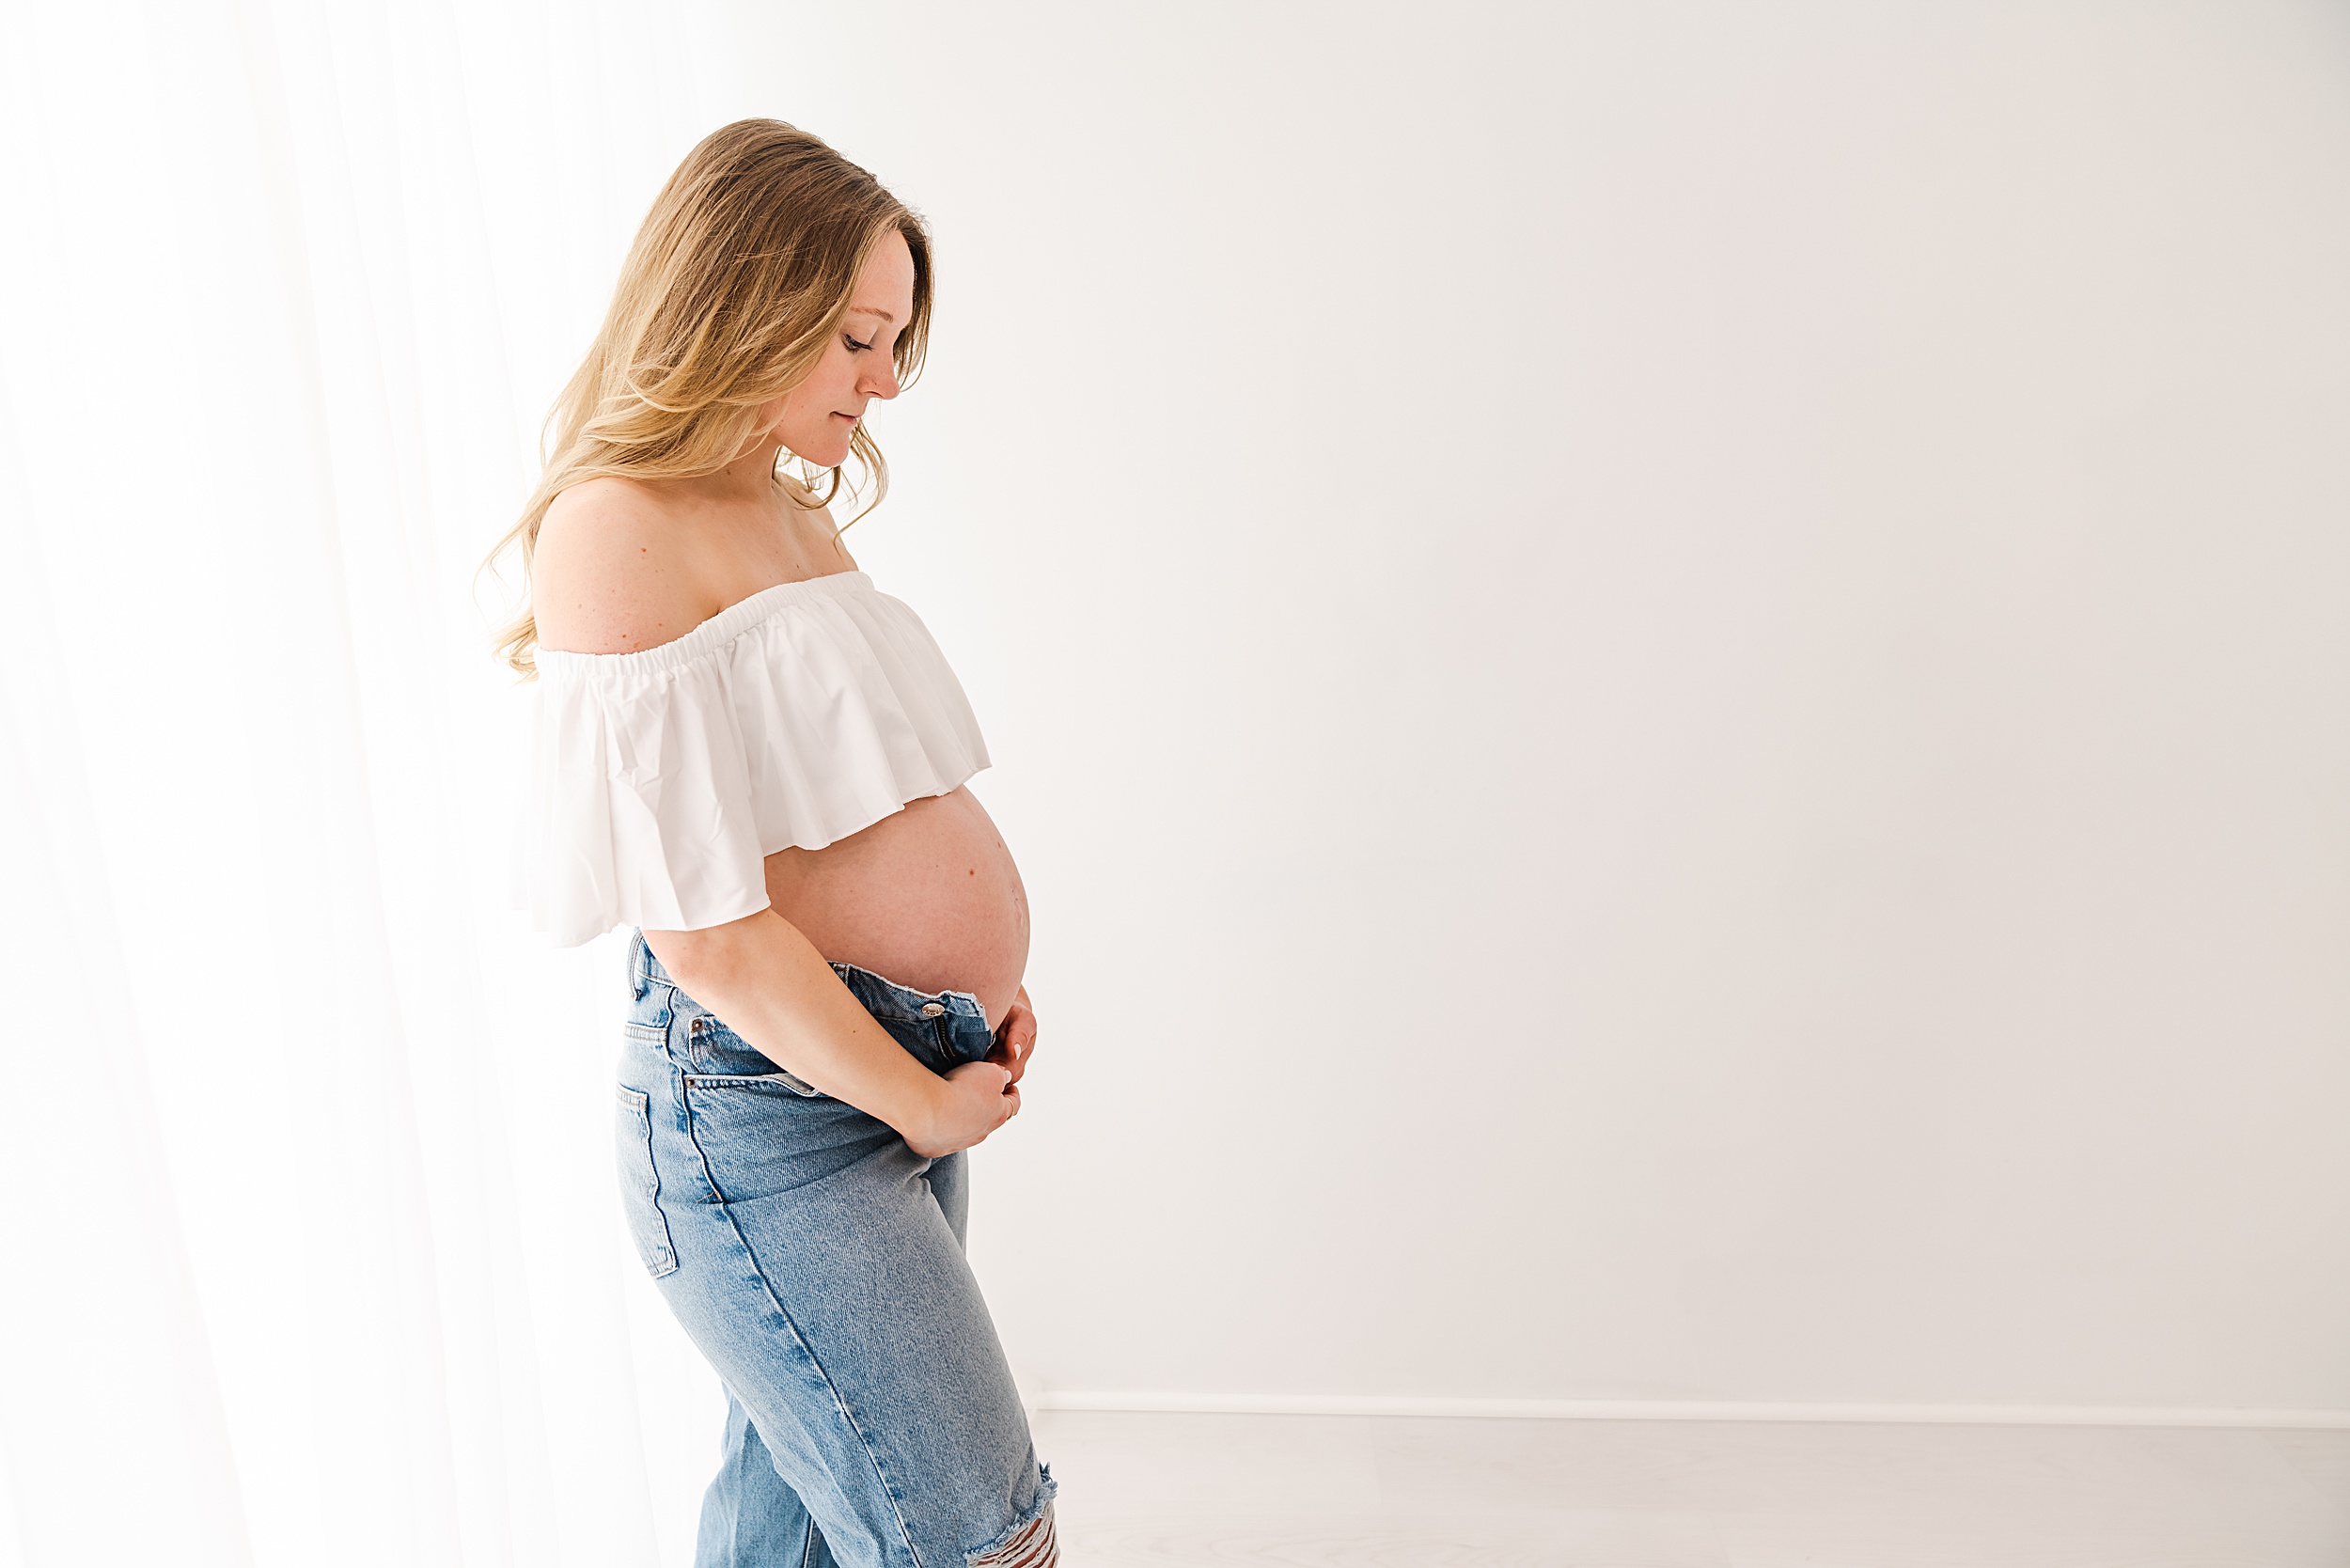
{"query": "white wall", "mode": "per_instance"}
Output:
(1671, 681)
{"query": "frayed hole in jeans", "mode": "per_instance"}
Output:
(1034, 1544)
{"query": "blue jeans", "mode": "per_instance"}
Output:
(817, 1261)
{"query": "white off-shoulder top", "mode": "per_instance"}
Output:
(662, 779)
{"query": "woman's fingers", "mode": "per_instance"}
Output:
(1012, 1053)
(1018, 1039)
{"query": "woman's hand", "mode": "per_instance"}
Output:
(981, 1096)
(975, 1099)
(1016, 1038)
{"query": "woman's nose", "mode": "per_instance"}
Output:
(882, 382)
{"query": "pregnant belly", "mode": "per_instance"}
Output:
(928, 897)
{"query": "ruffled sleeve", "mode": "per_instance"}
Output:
(661, 780)
(640, 810)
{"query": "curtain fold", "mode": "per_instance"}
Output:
(313, 1252)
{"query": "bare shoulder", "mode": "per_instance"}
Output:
(610, 572)
(811, 520)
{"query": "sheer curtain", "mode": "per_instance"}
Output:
(312, 1252)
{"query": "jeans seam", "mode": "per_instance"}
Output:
(710, 1177)
(839, 1401)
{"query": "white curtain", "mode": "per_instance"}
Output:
(312, 1250)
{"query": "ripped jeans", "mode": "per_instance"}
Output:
(817, 1261)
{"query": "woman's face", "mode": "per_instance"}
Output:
(815, 419)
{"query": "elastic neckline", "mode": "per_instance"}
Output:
(712, 634)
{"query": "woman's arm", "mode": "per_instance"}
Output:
(774, 990)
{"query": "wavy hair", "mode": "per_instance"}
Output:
(736, 282)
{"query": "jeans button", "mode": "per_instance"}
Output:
(931, 1010)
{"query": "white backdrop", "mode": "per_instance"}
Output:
(1671, 682)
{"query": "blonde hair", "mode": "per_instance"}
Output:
(736, 282)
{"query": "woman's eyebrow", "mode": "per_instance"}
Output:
(872, 310)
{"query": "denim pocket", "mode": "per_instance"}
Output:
(714, 1051)
(759, 1136)
(640, 1183)
(776, 1077)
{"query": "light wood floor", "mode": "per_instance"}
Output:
(1322, 1490)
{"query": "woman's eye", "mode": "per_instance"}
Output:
(855, 347)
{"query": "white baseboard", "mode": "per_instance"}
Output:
(1682, 1410)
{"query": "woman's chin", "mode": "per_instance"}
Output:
(817, 454)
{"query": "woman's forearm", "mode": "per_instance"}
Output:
(768, 983)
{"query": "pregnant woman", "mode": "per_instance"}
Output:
(753, 756)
